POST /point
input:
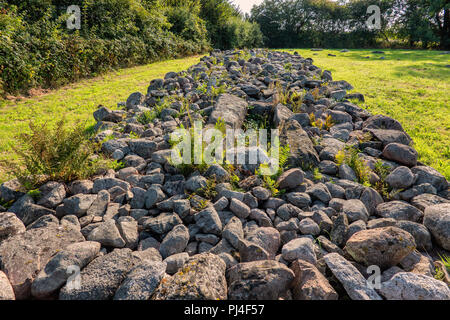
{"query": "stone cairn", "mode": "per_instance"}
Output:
(369, 226)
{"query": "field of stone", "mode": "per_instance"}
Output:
(350, 199)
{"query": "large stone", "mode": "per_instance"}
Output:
(351, 279)
(101, 278)
(400, 153)
(384, 247)
(355, 210)
(300, 248)
(59, 268)
(10, 225)
(201, 278)
(267, 238)
(208, 221)
(430, 175)
(302, 152)
(291, 178)
(6, 290)
(162, 223)
(310, 284)
(412, 286)
(54, 197)
(23, 255)
(175, 241)
(142, 281)
(259, 280)
(437, 220)
(11, 190)
(421, 235)
(281, 113)
(230, 109)
(400, 178)
(78, 204)
(107, 234)
(399, 210)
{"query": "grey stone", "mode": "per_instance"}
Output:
(58, 270)
(208, 220)
(195, 183)
(338, 233)
(128, 228)
(107, 234)
(141, 281)
(78, 204)
(400, 153)
(352, 280)
(308, 226)
(175, 262)
(175, 241)
(421, 235)
(233, 232)
(346, 172)
(259, 280)
(101, 278)
(430, 175)
(299, 199)
(23, 255)
(240, 209)
(384, 247)
(162, 223)
(10, 225)
(300, 248)
(400, 178)
(201, 278)
(355, 210)
(399, 210)
(6, 290)
(290, 178)
(230, 109)
(54, 197)
(411, 286)
(437, 220)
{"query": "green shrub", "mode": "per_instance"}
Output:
(60, 153)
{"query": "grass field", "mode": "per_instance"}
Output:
(77, 101)
(412, 86)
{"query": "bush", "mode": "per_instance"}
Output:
(59, 153)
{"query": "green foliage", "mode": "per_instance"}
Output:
(58, 153)
(209, 191)
(317, 175)
(319, 123)
(349, 155)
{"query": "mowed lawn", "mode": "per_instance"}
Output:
(412, 86)
(78, 101)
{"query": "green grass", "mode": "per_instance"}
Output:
(77, 101)
(411, 86)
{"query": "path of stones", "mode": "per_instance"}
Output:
(137, 234)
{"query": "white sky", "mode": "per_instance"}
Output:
(246, 5)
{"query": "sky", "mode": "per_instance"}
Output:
(246, 5)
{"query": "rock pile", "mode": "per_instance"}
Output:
(352, 196)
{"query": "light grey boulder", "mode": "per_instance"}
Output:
(175, 241)
(300, 248)
(412, 286)
(351, 279)
(62, 265)
(6, 290)
(142, 281)
(437, 220)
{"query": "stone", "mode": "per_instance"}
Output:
(54, 197)
(233, 232)
(351, 279)
(400, 178)
(346, 172)
(162, 223)
(412, 286)
(249, 251)
(320, 192)
(300, 248)
(310, 284)
(78, 204)
(107, 234)
(99, 205)
(384, 247)
(400, 153)
(240, 209)
(371, 199)
(259, 280)
(308, 226)
(175, 262)
(338, 234)
(142, 281)
(195, 183)
(399, 210)
(154, 195)
(280, 113)
(230, 109)
(23, 255)
(421, 235)
(430, 175)
(261, 193)
(208, 221)
(58, 270)
(267, 238)
(10, 225)
(425, 200)
(437, 220)
(175, 241)
(290, 178)
(31, 212)
(101, 278)
(201, 278)
(138, 200)
(302, 152)
(108, 183)
(128, 228)
(355, 210)
(299, 199)
(219, 173)
(6, 290)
